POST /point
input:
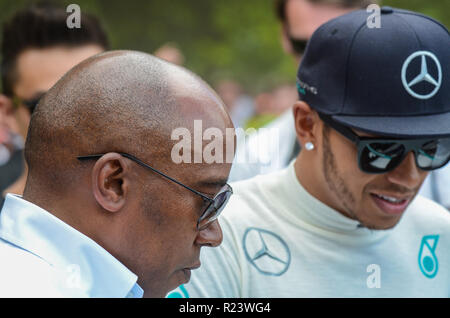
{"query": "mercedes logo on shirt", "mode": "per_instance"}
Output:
(430, 72)
(266, 251)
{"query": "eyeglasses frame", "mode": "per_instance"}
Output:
(143, 164)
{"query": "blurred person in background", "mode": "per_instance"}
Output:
(299, 19)
(7, 140)
(270, 105)
(170, 53)
(264, 111)
(283, 96)
(37, 49)
(240, 106)
(11, 145)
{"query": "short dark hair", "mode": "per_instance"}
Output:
(280, 5)
(39, 26)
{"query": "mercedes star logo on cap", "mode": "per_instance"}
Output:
(424, 74)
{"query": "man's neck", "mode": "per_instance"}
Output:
(310, 178)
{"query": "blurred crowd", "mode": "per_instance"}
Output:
(89, 120)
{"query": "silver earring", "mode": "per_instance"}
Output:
(309, 146)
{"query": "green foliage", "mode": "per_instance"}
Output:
(236, 39)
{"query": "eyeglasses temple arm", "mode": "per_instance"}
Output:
(81, 158)
(345, 131)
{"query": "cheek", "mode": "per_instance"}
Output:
(351, 179)
(165, 242)
(170, 213)
(171, 221)
(346, 155)
(342, 158)
(169, 206)
(183, 213)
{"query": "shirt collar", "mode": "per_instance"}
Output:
(95, 272)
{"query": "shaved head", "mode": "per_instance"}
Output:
(119, 101)
(129, 102)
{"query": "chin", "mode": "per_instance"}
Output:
(158, 288)
(165, 284)
(178, 278)
(375, 221)
(381, 226)
(377, 215)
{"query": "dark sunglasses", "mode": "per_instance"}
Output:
(381, 155)
(215, 205)
(30, 104)
(298, 45)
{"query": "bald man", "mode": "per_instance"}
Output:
(106, 212)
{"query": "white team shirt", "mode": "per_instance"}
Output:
(279, 241)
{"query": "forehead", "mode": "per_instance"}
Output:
(39, 69)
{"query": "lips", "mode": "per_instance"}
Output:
(392, 204)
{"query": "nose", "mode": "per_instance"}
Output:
(407, 173)
(210, 236)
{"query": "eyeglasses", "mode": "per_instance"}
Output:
(298, 45)
(215, 205)
(30, 104)
(381, 155)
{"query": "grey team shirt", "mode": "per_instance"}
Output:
(279, 241)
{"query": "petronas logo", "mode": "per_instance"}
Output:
(428, 261)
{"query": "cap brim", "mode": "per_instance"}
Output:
(424, 126)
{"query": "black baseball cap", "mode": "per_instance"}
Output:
(390, 81)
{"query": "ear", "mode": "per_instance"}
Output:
(110, 181)
(306, 122)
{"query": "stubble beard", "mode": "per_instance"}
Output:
(336, 183)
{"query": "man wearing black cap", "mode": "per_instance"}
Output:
(343, 219)
(299, 18)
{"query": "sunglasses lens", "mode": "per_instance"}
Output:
(215, 208)
(433, 154)
(381, 157)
